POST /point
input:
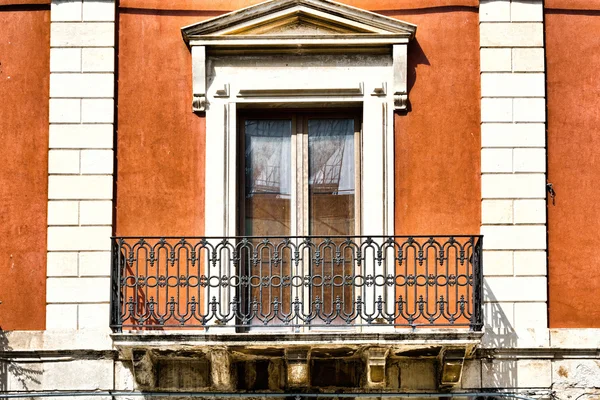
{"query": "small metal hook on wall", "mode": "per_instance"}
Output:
(550, 189)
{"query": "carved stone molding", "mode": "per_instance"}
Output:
(299, 26)
(223, 93)
(211, 362)
(380, 91)
(307, 20)
(400, 101)
(303, 92)
(375, 360)
(199, 78)
(199, 103)
(400, 58)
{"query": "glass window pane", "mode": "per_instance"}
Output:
(267, 203)
(268, 177)
(331, 190)
(331, 176)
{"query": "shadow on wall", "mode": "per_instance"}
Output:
(416, 57)
(20, 378)
(499, 333)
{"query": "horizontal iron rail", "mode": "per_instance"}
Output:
(296, 281)
(279, 326)
(297, 237)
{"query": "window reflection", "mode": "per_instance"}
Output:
(268, 177)
(326, 193)
(331, 176)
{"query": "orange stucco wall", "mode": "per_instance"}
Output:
(438, 143)
(571, 5)
(573, 44)
(25, 3)
(161, 143)
(24, 85)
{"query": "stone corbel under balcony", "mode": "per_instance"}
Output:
(298, 367)
(230, 362)
(375, 362)
(451, 361)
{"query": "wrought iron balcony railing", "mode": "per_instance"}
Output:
(297, 282)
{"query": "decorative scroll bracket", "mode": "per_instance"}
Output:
(400, 101)
(400, 59)
(199, 101)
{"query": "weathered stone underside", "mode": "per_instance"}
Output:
(319, 362)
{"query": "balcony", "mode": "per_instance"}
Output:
(289, 307)
(296, 284)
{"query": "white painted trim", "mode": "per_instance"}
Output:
(304, 41)
(400, 56)
(377, 185)
(199, 78)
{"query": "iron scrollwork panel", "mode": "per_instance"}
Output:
(244, 282)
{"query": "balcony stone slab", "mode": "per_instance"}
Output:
(297, 361)
(401, 343)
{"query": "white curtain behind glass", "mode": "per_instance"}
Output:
(331, 154)
(268, 157)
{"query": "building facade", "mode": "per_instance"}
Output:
(296, 198)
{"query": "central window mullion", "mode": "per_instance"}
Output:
(296, 189)
(299, 213)
(303, 133)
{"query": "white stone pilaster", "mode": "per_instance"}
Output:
(513, 167)
(80, 181)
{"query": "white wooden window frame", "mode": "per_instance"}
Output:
(377, 154)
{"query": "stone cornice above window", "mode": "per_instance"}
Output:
(299, 26)
(301, 21)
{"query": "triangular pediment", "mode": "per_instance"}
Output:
(298, 24)
(301, 19)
